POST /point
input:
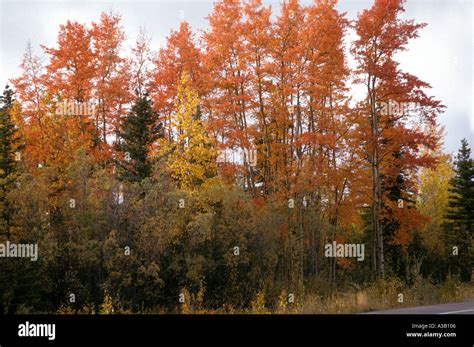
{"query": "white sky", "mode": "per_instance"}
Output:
(442, 55)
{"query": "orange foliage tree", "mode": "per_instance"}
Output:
(393, 112)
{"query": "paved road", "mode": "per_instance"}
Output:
(466, 307)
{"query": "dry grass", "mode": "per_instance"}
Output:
(384, 294)
(380, 295)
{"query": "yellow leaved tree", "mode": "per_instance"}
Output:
(191, 155)
(433, 200)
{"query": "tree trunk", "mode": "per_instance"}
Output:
(376, 184)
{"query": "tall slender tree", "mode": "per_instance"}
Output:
(181, 54)
(111, 75)
(383, 123)
(9, 156)
(459, 226)
(190, 152)
(226, 67)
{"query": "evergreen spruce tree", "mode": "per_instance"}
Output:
(459, 228)
(138, 131)
(9, 152)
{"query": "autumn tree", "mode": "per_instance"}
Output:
(433, 203)
(86, 68)
(111, 74)
(381, 34)
(140, 63)
(287, 94)
(30, 87)
(226, 68)
(190, 150)
(180, 55)
(70, 77)
(31, 93)
(433, 198)
(258, 41)
(71, 67)
(326, 146)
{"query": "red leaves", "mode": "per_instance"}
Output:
(71, 68)
(180, 55)
(278, 84)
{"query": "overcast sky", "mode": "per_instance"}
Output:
(441, 56)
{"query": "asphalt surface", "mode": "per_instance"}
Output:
(466, 307)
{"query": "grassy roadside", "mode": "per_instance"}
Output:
(380, 295)
(383, 295)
